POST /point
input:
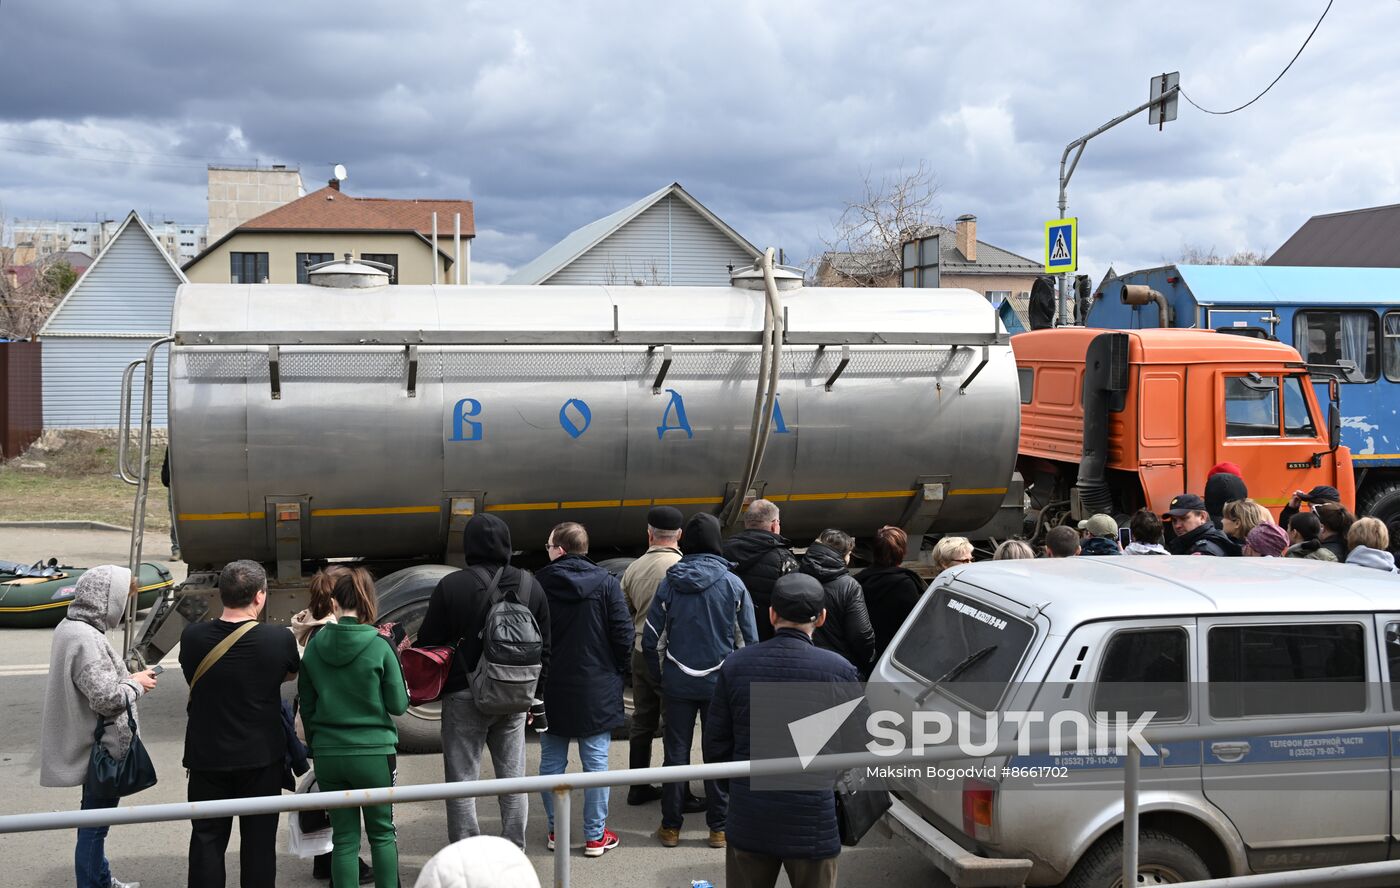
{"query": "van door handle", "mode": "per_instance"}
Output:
(1230, 751)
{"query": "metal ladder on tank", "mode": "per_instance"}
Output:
(139, 476)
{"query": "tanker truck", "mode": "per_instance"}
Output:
(348, 419)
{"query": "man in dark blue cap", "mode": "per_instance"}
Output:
(1322, 493)
(1195, 534)
(790, 829)
(639, 585)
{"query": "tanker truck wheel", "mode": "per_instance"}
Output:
(1382, 500)
(420, 728)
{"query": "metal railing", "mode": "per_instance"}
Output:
(560, 785)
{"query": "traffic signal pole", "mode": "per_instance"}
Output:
(1067, 166)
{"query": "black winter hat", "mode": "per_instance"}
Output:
(702, 536)
(665, 518)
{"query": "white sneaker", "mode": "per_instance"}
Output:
(117, 883)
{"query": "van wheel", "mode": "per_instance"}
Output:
(1383, 501)
(420, 728)
(1162, 860)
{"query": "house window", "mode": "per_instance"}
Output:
(997, 297)
(247, 268)
(307, 259)
(390, 259)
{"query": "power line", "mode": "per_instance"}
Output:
(1275, 80)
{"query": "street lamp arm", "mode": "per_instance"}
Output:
(1084, 140)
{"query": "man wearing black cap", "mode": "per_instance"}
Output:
(1195, 534)
(789, 829)
(701, 614)
(639, 585)
(1322, 493)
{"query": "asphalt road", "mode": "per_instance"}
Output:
(156, 853)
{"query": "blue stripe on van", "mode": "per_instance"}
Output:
(1184, 753)
(1307, 747)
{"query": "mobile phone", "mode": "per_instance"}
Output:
(157, 669)
(1125, 536)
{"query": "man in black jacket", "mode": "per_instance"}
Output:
(456, 615)
(847, 629)
(591, 635)
(793, 830)
(1195, 534)
(760, 557)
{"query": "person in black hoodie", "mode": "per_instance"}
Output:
(847, 629)
(1195, 534)
(456, 615)
(891, 592)
(1222, 488)
(760, 556)
(591, 632)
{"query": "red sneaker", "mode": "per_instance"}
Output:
(596, 847)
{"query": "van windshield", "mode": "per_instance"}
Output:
(971, 646)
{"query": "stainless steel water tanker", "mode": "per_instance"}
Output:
(312, 422)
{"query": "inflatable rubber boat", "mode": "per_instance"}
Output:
(37, 596)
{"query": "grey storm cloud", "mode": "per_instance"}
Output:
(549, 115)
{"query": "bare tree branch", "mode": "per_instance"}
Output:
(895, 208)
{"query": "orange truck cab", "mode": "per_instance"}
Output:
(1115, 421)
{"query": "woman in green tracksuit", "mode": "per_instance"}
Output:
(351, 687)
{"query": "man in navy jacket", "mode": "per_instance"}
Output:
(792, 830)
(701, 614)
(591, 641)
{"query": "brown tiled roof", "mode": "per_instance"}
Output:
(1365, 238)
(332, 210)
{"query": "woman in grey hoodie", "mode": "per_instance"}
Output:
(1368, 543)
(88, 681)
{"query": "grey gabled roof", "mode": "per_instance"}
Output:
(581, 240)
(1365, 238)
(90, 280)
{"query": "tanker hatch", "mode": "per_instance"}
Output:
(750, 277)
(349, 273)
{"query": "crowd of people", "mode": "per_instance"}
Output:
(1226, 522)
(695, 621)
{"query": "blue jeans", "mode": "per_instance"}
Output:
(90, 856)
(593, 752)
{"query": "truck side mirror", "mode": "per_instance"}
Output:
(1334, 426)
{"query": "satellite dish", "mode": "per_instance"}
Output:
(340, 172)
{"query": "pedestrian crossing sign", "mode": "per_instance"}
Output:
(1062, 246)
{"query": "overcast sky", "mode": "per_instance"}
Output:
(548, 115)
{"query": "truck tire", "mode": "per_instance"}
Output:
(1382, 500)
(420, 728)
(1162, 860)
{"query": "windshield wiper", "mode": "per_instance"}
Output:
(959, 668)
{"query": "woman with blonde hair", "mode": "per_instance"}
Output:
(951, 551)
(351, 689)
(1239, 517)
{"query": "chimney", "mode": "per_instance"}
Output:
(334, 183)
(967, 236)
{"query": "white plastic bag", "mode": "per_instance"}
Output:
(310, 844)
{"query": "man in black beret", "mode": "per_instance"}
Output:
(639, 587)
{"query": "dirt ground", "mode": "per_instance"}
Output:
(72, 475)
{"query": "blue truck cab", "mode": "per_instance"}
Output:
(1344, 318)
